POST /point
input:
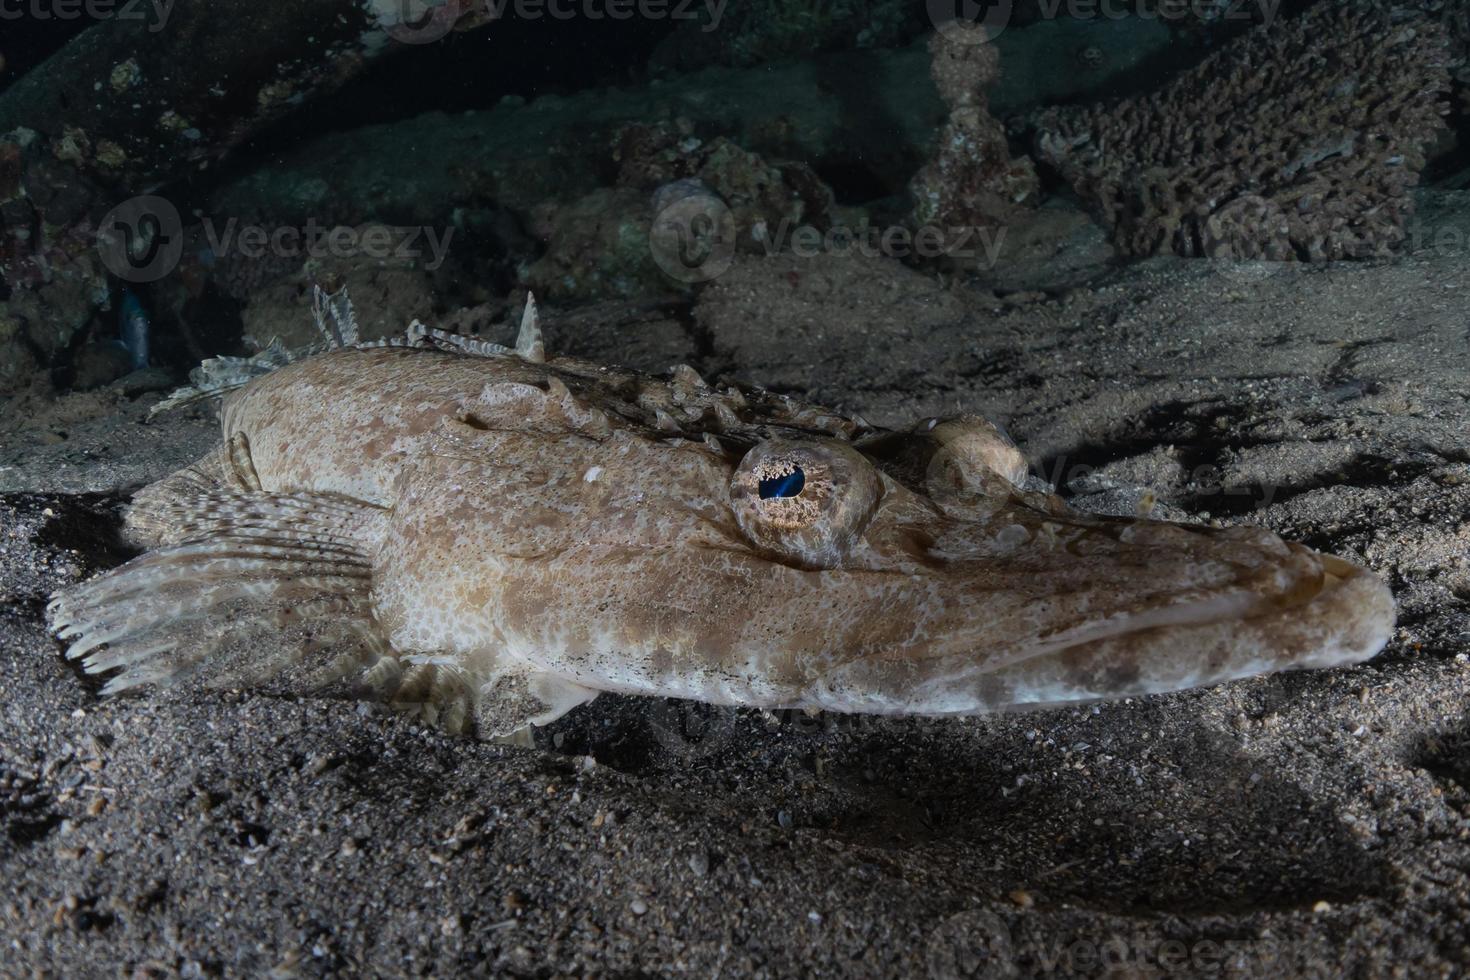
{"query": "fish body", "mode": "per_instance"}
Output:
(492, 538)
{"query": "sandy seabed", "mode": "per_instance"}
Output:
(1305, 824)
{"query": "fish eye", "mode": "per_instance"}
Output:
(808, 502)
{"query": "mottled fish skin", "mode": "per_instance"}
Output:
(589, 529)
(570, 531)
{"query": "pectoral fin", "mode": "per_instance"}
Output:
(520, 697)
(244, 587)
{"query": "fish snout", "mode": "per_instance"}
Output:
(1284, 607)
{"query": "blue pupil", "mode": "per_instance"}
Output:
(783, 486)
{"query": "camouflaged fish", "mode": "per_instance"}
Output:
(492, 538)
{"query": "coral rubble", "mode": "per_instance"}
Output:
(1300, 140)
(598, 245)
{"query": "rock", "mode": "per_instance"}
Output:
(598, 249)
(556, 149)
(39, 326)
(18, 365)
(98, 364)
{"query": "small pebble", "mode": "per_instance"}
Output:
(1022, 898)
(639, 906)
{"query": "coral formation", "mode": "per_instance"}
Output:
(598, 245)
(972, 182)
(758, 192)
(1454, 17)
(866, 120)
(1300, 140)
(173, 101)
(42, 325)
(48, 210)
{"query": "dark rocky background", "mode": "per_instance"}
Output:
(1314, 824)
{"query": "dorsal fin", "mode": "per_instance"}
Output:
(336, 320)
(528, 342)
(334, 317)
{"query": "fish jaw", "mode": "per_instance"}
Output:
(1133, 619)
(1348, 620)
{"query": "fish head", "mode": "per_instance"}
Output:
(911, 572)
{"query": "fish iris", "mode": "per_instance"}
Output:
(787, 485)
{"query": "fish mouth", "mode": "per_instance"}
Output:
(1346, 619)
